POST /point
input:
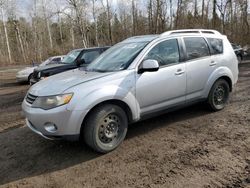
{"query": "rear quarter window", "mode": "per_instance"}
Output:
(216, 45)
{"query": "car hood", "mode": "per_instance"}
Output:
(58, 83)
(50, 66)
(26, 70)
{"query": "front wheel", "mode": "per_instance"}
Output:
(219, 95)
(30, 76)
(105, 128)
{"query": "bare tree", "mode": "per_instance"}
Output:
(15, 22)
(47, 23)
(2, 5)
(171, 13)
(77, 7)
(222, 6)
(95, 21)
(55, 27)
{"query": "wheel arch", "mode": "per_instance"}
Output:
(117, 102)
(30, 76)
(220, 73)
(228, 80)
(224, 77)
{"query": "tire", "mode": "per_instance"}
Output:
(30, 76)
(105, 128)
(219, 95)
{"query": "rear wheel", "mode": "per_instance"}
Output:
(219, 95)
(105, 128)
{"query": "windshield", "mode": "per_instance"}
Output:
(71, 57)
(117, 58)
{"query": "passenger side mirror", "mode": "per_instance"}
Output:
(149, 65)
(80, 62)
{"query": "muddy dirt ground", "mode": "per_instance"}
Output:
(192, 147)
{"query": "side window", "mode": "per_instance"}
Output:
(90, 56)
(216, 45)
(57, 59)
(196, 47)
(166, 52)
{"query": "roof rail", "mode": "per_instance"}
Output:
(199, 31)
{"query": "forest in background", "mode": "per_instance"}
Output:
(57, 26)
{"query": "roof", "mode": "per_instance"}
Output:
(92, 48)
(141, 38)
(191, 31)
(149, 38)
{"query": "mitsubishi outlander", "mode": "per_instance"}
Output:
(133, 80)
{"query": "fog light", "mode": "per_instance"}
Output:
(50, 127)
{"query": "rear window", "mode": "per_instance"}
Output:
(196, 47)
(216, 46)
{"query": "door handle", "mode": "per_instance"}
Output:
(213, 63)
(179, 72)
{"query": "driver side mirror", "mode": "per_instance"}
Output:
(80, 62)
(149, 65)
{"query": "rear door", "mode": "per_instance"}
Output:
(199, 66)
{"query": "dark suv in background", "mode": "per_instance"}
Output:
(239, 52)
(74, 59)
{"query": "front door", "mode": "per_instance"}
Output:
(166, 87)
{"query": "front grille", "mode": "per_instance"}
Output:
(30, 98)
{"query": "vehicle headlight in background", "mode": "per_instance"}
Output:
(22, 73)
(39, 75)
(50, 102)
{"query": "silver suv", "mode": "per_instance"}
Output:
(134, 79)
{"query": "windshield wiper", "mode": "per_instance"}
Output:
(63, 62)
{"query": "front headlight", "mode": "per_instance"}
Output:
(22, 73)
(50, 102)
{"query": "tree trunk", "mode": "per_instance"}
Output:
(133, 17)
(196, 9)
(60, 28)
(157, 16)
(150, 16)
(214, 13)
(47, 24)
(6, 37)
(202, 11)
(95, 21)
(171, 14)
(109, 22)
(20, 41)
(72, 36)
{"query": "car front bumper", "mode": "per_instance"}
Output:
(22, 78)
(33, 81)
(67, 123)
